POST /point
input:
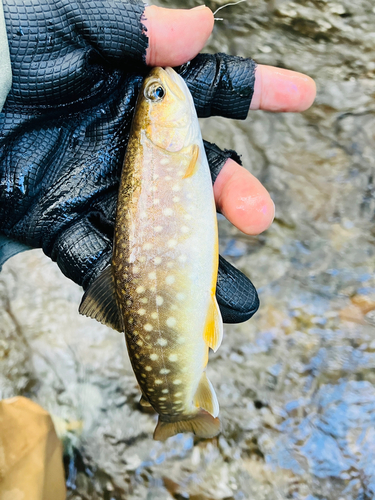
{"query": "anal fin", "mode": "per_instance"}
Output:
(213, 332)
(99, 301)
(205, 396)
(202, 425)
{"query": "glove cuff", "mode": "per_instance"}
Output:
(220, 84)
(217, 158)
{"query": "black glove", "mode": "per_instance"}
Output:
(77, 68)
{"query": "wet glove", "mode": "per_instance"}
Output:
(77, 69)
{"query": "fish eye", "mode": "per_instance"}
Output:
(154, 92)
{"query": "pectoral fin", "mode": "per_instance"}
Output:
(99, 301)
(205, 396)
(193, 164)
(213, 332)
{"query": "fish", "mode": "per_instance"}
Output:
(160, 287)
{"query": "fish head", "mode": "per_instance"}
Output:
(166, 112)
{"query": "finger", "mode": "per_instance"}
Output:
(279, 89)
(242, 199)
(176, 35)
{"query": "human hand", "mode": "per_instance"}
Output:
(64, 128)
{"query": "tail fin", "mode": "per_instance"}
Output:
(202, 424)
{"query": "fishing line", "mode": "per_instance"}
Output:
(223, 7)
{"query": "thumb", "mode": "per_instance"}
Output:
(176, 35)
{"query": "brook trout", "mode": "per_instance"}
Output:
(160, 288)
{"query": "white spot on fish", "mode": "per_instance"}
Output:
(157, 260)
(140, 289)
(162, 399)
(159, 300)
(135, 269)
(148, 327)
(171, 322)
(156, 201)
(154, 188)
(144, 300)
(130, 321)
(154, 356)
(170, 264)
(168, 178)
(158, 229)
(128, 302)
(173, 357)
(158, 381)
(162, 342)
(152, 275)
(140, 343)
(178, 401)
(165, 391)
(142, 258)
(176, 188)
(185, 229)
(178, 394)
(168, 212)
(171, 243)
(188, 217)
(170, 279)
(141, 312)
(182, 258)
(147, 246)
(164, 371)
(177, 381)
(148, 368)
(175, 199)
(154, 315)
(164, 161)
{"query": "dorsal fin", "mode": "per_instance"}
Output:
(144, 402)
(99, 301)
(213, 332)
(205, 396)
(192, 168)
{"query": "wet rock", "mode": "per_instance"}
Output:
(296, 383)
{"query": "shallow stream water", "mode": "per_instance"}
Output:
(296, 384)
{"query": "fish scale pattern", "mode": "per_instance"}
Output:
(77, 69)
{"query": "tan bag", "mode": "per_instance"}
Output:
(31, 465)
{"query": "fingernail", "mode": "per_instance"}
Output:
(274, 211)
(199, 7)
